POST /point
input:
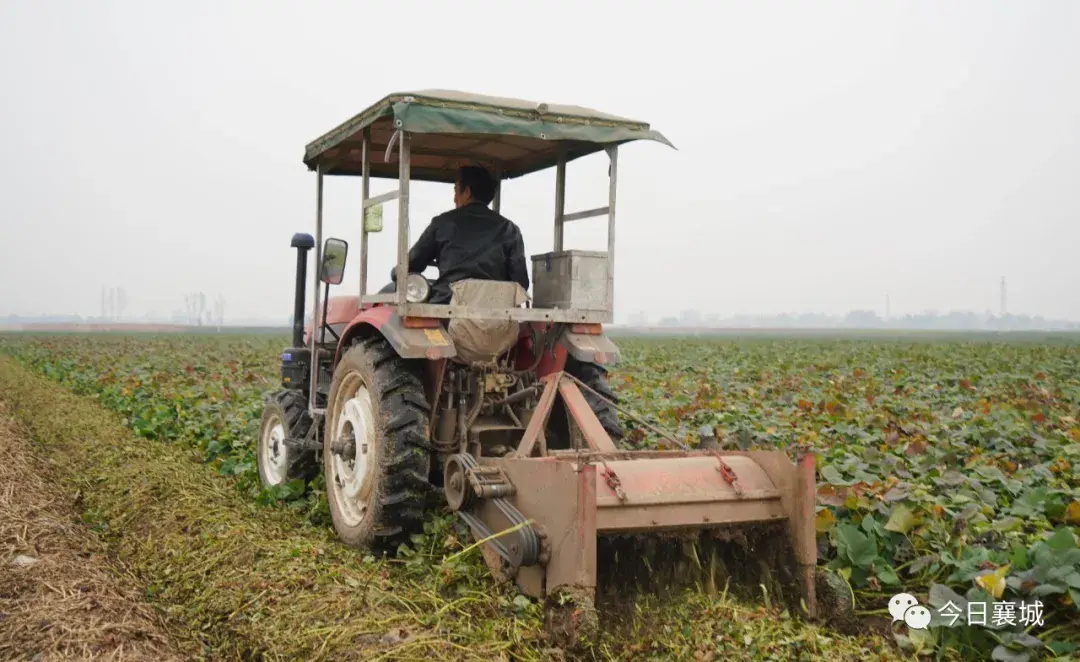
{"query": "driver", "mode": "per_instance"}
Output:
(469, 241)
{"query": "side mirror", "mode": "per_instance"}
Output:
(333, 261)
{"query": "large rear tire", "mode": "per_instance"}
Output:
(562, 433)
(376, 486)
(595, 377)
(285, 414)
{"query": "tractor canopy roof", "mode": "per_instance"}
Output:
(449, 129)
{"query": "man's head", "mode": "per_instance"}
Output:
(474, 184)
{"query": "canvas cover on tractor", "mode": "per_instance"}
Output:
(451, 128)
(484, 340)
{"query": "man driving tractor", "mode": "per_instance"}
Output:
(474, 241)
(469, 241)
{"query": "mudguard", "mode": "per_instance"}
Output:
(342, 310)
(598, 349)
(430, 343)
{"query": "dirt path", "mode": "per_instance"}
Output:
(59, 596)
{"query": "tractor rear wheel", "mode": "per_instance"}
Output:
(284, 415)
(595, 377)
(375, 454)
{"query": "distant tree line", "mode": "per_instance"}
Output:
(862, 319)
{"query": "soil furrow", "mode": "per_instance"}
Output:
(60, 596)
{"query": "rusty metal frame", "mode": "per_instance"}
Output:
(592, 430)
(539, 417)
(570, 497)
(595, 436)
(575, 495)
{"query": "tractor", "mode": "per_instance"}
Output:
(498, 402)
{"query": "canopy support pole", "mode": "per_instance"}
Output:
(365, 192)
(613, 173)
(560, 199)
(403, 215)
(315, 282)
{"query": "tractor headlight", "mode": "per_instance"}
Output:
(417, 288)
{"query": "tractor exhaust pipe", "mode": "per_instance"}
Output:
(302, 243)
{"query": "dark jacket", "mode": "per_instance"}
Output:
(472, 241)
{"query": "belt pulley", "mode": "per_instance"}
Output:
(466, 483)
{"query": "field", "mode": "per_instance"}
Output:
(948, 469)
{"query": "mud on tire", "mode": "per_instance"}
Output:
(289, 409)
(392, 447)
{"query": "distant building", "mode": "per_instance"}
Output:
(690, 318)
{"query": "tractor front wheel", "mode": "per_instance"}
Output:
(375, 453)
(284, 415)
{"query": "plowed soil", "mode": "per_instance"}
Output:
(60, 597)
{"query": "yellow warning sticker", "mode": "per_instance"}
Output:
(436, 337)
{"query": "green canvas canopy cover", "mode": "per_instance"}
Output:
(449, 129)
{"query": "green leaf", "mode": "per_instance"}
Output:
(941, 595)
(296, 487)
(903, 642)
(873, 528)
(1002, 654)
(1062, 647)
(902, 520)
(1018, 557)
(830, 474)
(859, 576)
(1063, 539)
(922, 563)
(922, 640)
(1026, 640)
(1009, 524)
(521, 602)
(886, 573)
(1030, 503)
(1048, 589)
(856, 546)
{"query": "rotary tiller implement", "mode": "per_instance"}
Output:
(732, 512)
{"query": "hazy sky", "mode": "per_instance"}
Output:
(829, 152)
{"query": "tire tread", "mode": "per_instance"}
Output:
(403, 484)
